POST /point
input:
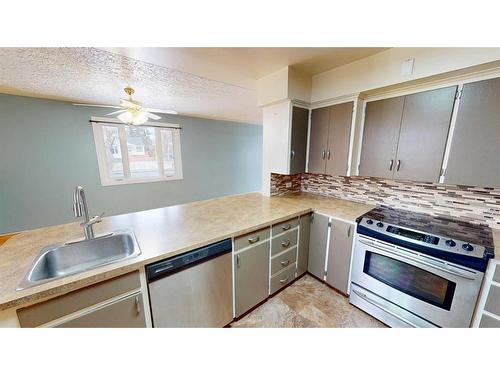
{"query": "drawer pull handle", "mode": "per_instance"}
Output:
(286, 243)
(137, 305)
(285, 263)
(254, 239)
(282, 281)
(286, 226)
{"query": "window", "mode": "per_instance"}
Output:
(133, 154)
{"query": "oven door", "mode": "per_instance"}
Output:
(437, 291)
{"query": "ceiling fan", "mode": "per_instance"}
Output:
(130, 111)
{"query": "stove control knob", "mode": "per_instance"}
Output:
(380, 224)
(369, 221)
(451, 243)
(467, 247)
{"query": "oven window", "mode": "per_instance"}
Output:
(411, 280)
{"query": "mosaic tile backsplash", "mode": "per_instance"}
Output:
(472, 204)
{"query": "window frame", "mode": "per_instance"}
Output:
(97, 127)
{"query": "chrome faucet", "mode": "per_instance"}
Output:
(80, 209)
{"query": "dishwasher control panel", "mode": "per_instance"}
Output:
(168, 266)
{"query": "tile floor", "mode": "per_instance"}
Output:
(307, 303)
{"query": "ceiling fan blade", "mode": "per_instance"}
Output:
(152, 116)
(116, 112)
(168, 111)
(96, 105)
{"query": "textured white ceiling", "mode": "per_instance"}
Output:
(92, 75)
(243, 66)
(214, 83)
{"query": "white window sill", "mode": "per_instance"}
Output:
(139, 181)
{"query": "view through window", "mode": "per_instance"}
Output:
(131, 154)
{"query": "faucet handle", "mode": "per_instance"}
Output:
(92, 221)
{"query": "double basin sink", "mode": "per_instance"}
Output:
(60, 260)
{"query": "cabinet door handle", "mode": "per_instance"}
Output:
(254, 239)
(238, 261)
(349, 231)
(285, 243)
(282, 281)
(398, 165)
(328, 155)
(323, 155)
(286, 226)
(137, 306)
(391, 163)
(285, 263)
(293, 154)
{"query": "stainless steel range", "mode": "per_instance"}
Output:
(415, 270)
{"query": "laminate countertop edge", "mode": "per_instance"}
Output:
(161, 233)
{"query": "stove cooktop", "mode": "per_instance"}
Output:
(464, 243)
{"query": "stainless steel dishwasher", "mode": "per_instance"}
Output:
(193, 289)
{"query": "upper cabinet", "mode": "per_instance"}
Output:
(474, 158)
(405, 137)
(422, 138)
(298, 148)
(380, 137)
(330, 138)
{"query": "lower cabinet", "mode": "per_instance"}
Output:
(303, 250)
(123, 313)
(334, 270)
(339, 254)
(251, 277)
(317, 245)
(113, 303)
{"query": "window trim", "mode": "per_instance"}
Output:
(99, 122)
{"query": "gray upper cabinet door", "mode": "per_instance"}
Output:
(380, 137)
(424, 131)
(474, 156)
(339, 257)
(317, 245)
(320, 122)
(251, 277)
(338, 139)
(300, 119)
(303, 251)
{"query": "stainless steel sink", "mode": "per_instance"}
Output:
(60, 260)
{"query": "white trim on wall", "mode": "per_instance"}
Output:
(106, 180)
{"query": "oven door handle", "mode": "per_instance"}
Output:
(385, 309)
(425, 263)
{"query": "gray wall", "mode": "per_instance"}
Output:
(47, 147)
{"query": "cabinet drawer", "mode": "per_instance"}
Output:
(493, 301)
(284, 260)
(58, 307)
(489, 322)
(124, 313)
(251, 238)
(285, 226)
(496, 275)
(285, 241)
(283, 278)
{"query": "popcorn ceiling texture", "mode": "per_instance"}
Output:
(472, 204)
(92, 75)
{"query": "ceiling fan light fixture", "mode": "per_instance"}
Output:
(133, 117)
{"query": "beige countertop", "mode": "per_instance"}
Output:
(161, 233)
